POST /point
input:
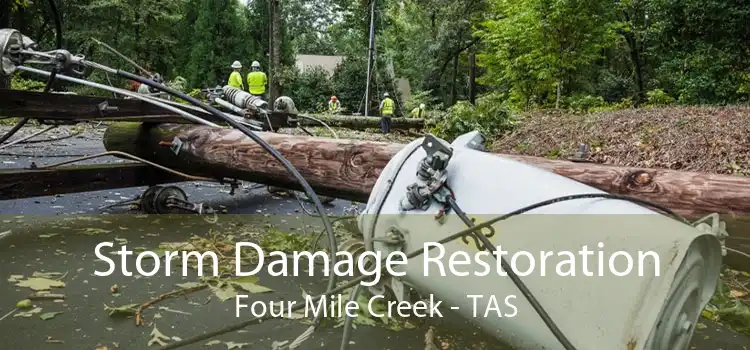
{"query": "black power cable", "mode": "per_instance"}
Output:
(53, 73)
(278, 156)
(457, 235)
(275, 153)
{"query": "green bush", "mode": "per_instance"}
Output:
(19, 83)
(585, 103)
(490, 116)
(658, 97)
(310, 89)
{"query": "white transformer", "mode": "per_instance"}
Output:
(675, 266)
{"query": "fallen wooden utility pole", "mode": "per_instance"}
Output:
(361, 123)
(348, 168)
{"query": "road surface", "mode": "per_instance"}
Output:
(58, 234)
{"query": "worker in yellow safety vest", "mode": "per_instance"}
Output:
(334, 105)
(417, 112)
(256, 81)
(235, 79)
(386, 112)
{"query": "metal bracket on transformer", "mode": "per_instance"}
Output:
(716, 227)
(431, 176)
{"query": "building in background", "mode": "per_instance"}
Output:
(329, 64)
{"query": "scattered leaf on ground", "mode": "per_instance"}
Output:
(738, 293)
(278, 345)
(94, 231)
(248, 283)
(212, 343)
(51, 340)
(232, 345)
(177, 246)
(123, 310)
(49, 315)
(164, 308)
(15, 278)
(49, 235)
(224, 292)
(24, 304)
(37, 283)
(29, 313)
(158, 338)
(189, 285)
(50, 275)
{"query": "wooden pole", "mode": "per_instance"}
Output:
(348, 169)
(361, 123)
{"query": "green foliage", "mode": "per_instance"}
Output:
(533, 46)
(310, 89)
(658, 97)
(19, 83)
(490, 116)
(726, 307)
(348, 84)
(586, 103)
(420, 97)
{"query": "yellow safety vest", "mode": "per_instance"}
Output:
(417, 112)
(256, 82)
(387, 107)
(235, 80)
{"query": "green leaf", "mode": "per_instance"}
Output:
(24, 304)
(158, 337)
(49, 315)
(129, 309)
(91, 231)
(40, 283)
(248, 284)
(189, 285)
(232, 345)
(29, 313)
(224, 292)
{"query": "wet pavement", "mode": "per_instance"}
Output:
(58, 234)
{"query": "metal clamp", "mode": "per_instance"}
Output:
(717, 227)
(431, 176)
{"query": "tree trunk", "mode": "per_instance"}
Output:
(472, 88)
(362, 123)
(275, 59)
(454, 80)
(348, 168)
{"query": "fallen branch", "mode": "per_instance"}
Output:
(362, 123)
(174, 293)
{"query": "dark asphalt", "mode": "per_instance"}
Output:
(45, 237)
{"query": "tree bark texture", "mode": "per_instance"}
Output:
(348, 169)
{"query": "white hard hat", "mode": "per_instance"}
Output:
(421, 105)
(255, 64)
(236, 64)
(385, 94)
